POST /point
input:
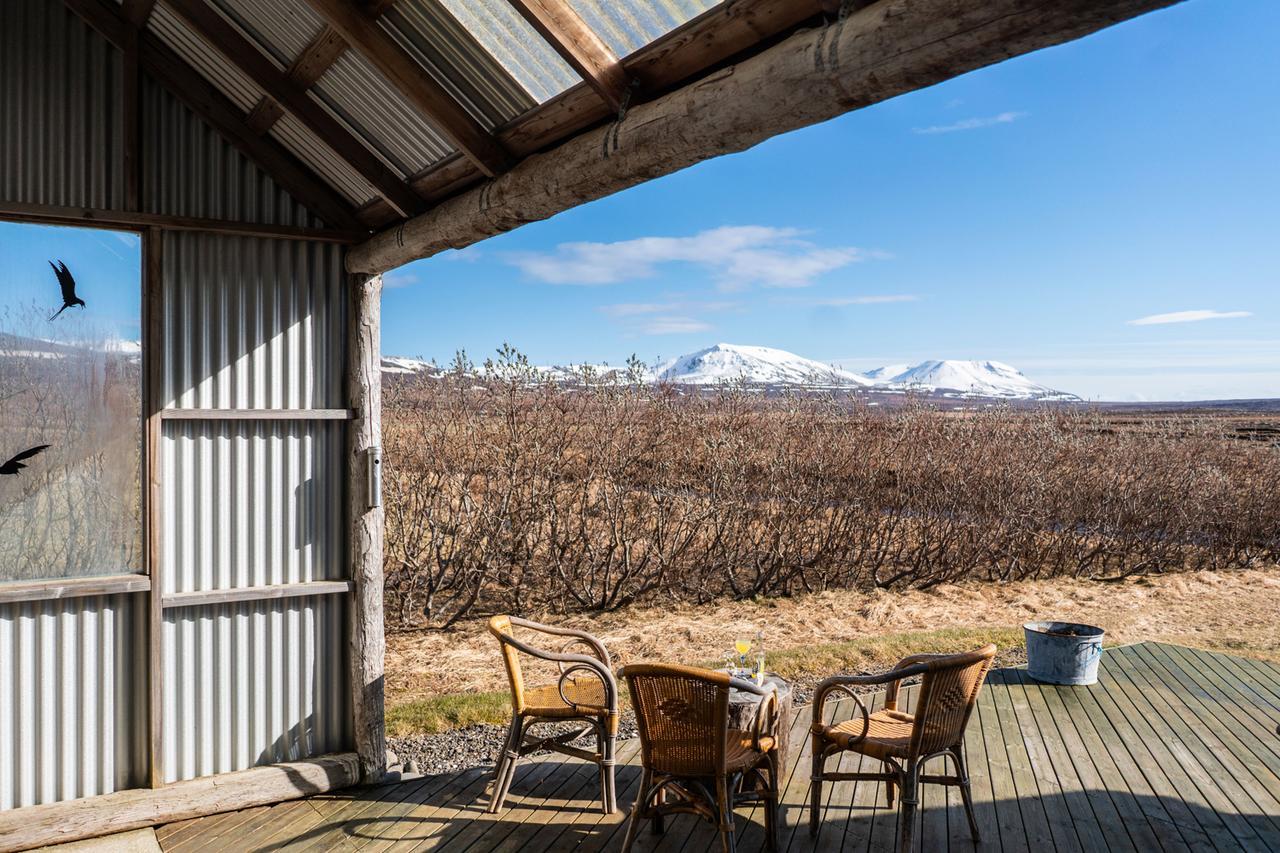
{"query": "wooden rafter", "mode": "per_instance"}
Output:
(309, 66)
(362, 33)
(137, 12)
(250, 59)
(171, 71)
(578, 44)
(887, 49)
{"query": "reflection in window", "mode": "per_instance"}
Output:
(70, 403)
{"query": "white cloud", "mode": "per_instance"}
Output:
(129, 239)
(635, 309)
(398, 278)
(972, 123)
(1188, 317)
(738, 255)
(674, 326)
(469, 254)
(879, 299)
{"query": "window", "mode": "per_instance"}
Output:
(70, 402)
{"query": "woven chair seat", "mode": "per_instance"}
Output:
(586, 696)
(688, 757)
(888, 734)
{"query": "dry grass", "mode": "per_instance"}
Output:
(438, 679)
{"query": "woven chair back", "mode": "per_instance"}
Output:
(948, 694)
(682, 714)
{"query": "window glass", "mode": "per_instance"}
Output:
(70, 402)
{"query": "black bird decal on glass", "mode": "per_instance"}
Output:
(15, 465)
(68, 284)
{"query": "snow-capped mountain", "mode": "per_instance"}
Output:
(756, 365)
(969, 379)
(765, 366)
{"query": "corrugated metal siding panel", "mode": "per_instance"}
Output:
(192, 171)
(308, 148)
(283, 27)
(358, 94)
(253, 323)
(59, 89)
(253, 683)
(454, 58)
(514, 43)
(211, 64)
(252, 503)
(72, 698)
(628, 25)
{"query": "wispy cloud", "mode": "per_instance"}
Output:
(129, 239)
(738, 256)
(675, 326)
(972, 123)
(842, 301)
(399, 278)
(1188, 317)
(637, 309)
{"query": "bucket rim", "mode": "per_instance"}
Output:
(1072, 630)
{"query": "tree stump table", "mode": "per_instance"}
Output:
(742, 711)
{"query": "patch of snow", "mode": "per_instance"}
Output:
(971, 379)
(754, 365)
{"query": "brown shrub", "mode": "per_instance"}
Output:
(509, 492)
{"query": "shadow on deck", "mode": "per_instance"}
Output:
(1174, 749)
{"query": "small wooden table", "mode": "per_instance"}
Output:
(742, 711)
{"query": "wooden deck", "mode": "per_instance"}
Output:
(1174, 749)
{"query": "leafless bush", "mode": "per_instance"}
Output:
(510, 492)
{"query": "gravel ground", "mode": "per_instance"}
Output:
(478, 746)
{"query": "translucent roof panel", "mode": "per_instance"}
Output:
(628, 25)
(453, 56)
(510, 39)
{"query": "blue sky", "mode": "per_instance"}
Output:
(1028, 213)
(1025, 213)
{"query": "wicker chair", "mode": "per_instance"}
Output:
(693, 762)
(903, 742)
(586, 692)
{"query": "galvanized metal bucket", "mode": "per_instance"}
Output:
(1063, 652)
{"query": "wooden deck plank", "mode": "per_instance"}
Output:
(1221, 766)
(1174, 749)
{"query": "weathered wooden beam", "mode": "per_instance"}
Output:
(364, 440)
(363, 34)
(137, 12)
(72, 820)
(153, 403)
(250, 59)
(175, 74)
(131, 120)
(258, 414)
(724, 31)
(88, 217)
(308, 67)
(272, 592)
(578, 44)
(53, 590)
(884, 50)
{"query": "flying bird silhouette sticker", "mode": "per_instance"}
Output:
(68, 284)
(15, 465)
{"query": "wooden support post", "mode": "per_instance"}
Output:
(888, 48)
(153, 349)
(364, 435)
(130, 120)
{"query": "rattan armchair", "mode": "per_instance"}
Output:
(903, 741)
(586, 692)
(693, 763)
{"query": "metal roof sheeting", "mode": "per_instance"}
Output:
(628, 25)
(308, 148)
(457, 61)
(283, 27)
(211, 64)
(360, 96)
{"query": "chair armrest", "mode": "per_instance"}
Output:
(765, 723)
(597, 647)
(844, 683)
(591, 667)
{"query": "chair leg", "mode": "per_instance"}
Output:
(506, 769)
(962, 772)
(658, 825)
(771, 803)
(724, 805)
(608, 797)
(815, 786)
(907, 811)
(637, 810)
(888, 786)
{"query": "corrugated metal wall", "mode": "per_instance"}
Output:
(252, 324)
(60, 133)
(72, 683)
(248, 324)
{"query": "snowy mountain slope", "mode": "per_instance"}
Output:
(886, 373)
(756, 365)
(972, 379)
